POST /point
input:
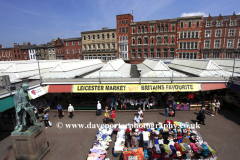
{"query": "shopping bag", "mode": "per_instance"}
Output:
(49, 123)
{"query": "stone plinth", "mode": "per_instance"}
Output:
(30, 145)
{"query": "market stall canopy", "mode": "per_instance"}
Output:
(157, 68)
(7, 103)
(227, 65)
(200, 68)
(71, 69)
(113, 69)
(213, 86)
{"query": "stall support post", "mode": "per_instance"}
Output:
(99, 77)
(233, 66)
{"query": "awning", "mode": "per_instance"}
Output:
(212, 86)
(6, 103)
(60, 88)
(36, 92)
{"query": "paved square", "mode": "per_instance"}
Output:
(221, 131)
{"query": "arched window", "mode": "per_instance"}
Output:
(85, 56)
(99, 57)
(104, 57)
(108, 57)
(90, 57)
(94, 56)
(113, 56)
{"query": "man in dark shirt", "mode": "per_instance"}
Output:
(40, 110)
(174, 107)
(166, 108)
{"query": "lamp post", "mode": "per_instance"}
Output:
(37, 55)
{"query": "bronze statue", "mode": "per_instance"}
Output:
(24, 110)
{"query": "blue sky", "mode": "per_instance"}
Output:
(40, 21)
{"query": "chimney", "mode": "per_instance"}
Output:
(14, 44)
(24, 43)
(0, 46)
(53, 41)
(29, 43)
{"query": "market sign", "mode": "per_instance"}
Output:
(36, 92)
(178, 87)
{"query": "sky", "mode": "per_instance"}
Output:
(40, 21)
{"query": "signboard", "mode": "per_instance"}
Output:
(36, 92)
(95, 88)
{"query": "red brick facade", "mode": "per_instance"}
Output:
(6, 54)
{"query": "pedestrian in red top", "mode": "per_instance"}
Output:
(113, 115)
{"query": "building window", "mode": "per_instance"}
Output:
(171, 53)
(119, 22)
(162, 28)
(172, 28)
(181, 25)
(142, 29)
(93, 37)
(123, 30)
(195, 56)
(139, 41)
(231, 32)
(181, 35)
(206, 55)
(138, 29)
(102, 36)
(184, 45)
(238, 42)
(158, 40)
(158, 53)
(93, 46)
(192, 45)
(192, 34)
(145, 54)
(80, 51)
(73, 51)
(108, 36)
(219, 24)
(126, 38)
(172, 41)
(145, 40)
(73, 43)
(230, 43)
(218, 33)
(207, 33)
(139, 54)
(98, 37)
(119, 30)
(189, 24)
(166, 28)
(98, 46)
(84, 47)
(66, 43)
(152, 29)
(179, 55)
(89, 47)
(196, 45)
(197, 24)
(113, 35)
(126, 29)
(216, 55)
(165, 40)
(158, 28)
(84, 38)
(108, 46)
(188, 45)
(103, 46)
(79, 43)
(185, 34)
(207, 44)
(146, 29)
(133, 30)
(122, 21)
(217, 44)
(67, 51)
(123, 38)
(151, 40)
(152, 54)
(89, 37)
(196, 34)
(133, 41)
(165, 53)
(233, 23)
(228, 55)
(180, 45)
(126, 21)
(113, 46)
(133, 54)
(189, 34)
(208, 24)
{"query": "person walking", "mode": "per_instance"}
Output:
(46, 119)
(137, 119)
(201, 116)
(113, 115)
(70, 110)
(213, 105)
(59, 111)
(217, 107)
(145, 138)
(166, 108)
(174, 107)
(99, 107)
(134, 141)
(106, 115)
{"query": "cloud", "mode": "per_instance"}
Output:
(193, 14)
(238, 13)
(78, 31)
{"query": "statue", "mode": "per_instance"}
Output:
(24, 110)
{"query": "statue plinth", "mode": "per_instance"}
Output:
(31, 144)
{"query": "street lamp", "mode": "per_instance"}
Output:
(37, 55)
(139, 71)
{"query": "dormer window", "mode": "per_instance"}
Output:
(233, 23)
(219, 24)
(208, 24)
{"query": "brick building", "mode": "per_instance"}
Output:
(123, 34)
(221, 36)
(189, 32)
(99, 44)
(70, 48)
(6, 54)
(152, 39)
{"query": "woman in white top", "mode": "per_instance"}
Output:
(140, 113)
(217, 107)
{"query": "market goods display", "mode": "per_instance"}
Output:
(176, 141)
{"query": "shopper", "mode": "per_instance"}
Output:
(46, 119)
(70, 110)
(201, 116)
(217, 107)
(134, 141)
(213, 105)
(145, 138)
(166, 108)
(106, 116)
(40, 110)
(112, 102)
(113, 115)
(59, 111)
(140, 112)
(99, 107)
(174, 107)
(137, 119)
